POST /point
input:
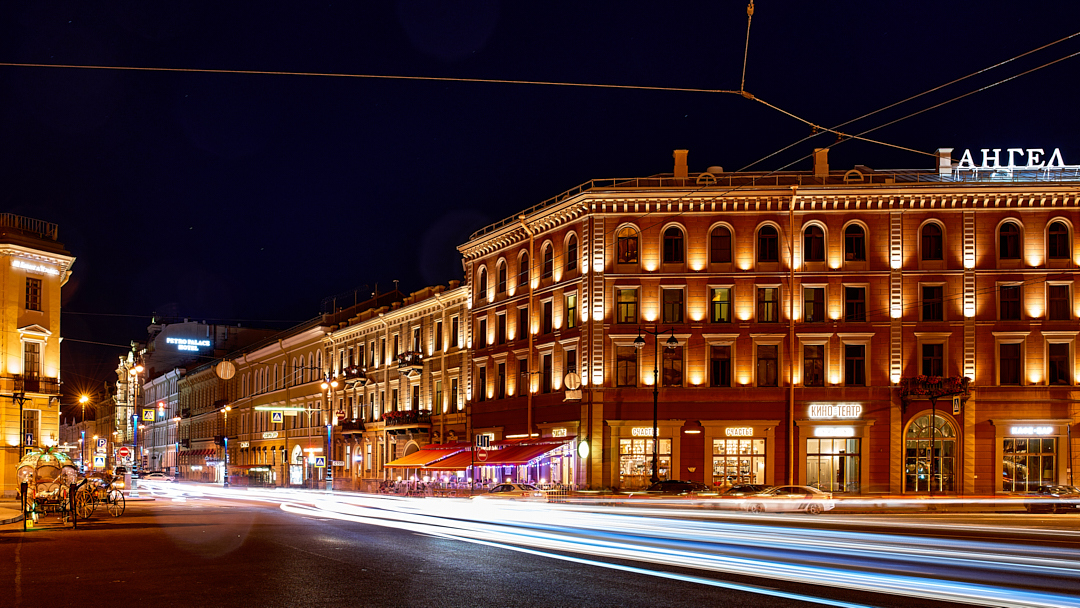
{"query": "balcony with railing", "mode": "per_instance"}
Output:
(354, 375)
(934, 387)
(29, 383)
(411, 363)
(406, 418)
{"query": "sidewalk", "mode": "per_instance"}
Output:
(10, 511)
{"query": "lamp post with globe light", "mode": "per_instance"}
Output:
(225, 461)
(329, 385)
(670, 343)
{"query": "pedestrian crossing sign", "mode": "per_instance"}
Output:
(320, 462)
(277, 417)
(148, 415)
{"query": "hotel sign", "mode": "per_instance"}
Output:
(187, 343)
(826, 411)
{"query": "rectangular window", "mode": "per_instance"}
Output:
(546, 321)
(500, 381)
(626, 366)
(394, 400)
(720, 305)
(768, 304)
(523, 323)
(933, 360)
(454, 330)
(719, 366)
(626, 306)
(1058, 296)
(545, 373)
(455, 403)
(481, 383)
(481, 333)
(414, 403)
(813, 304)
(438, 407)
(31, 359)
(1009, 362)
(523, 375)
(720, 246)
(33, 294)
(438, 336)
(1009, 297)
(31, 427)
(1058, 369)
(814, 365)
(571, 311)
(854, 365)
(382, 352)
(371, 358)
(500, 329)
(416, 340)
(933, 303)
(397, 347)
(855, 304)
(767, 360)
(672, 373)
(673, 305)
(570, 360)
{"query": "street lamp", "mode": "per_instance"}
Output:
(329, 385)
(83, 399)
(225, 410)
(134, 372)
(670, 343)
(176, 449)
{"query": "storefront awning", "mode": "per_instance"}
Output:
(518, 455)
(421, 458)
(458, 462)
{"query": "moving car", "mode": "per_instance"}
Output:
(789, 498)
(744, 489)
(514, 491)
(675, 487)
(1053, 499)
(157, 476)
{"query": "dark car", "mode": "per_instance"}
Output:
(675, 487)
(1053, 499)
(745, 489)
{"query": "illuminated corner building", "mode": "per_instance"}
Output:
(35, 267)
(811, 316)
(401, 371)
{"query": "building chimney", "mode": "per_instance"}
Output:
(680, 163)
(944, 161)
(821, 162)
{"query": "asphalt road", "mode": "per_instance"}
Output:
(211, 551)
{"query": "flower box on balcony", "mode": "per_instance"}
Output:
(932, 387)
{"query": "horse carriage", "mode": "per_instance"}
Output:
(53, 485)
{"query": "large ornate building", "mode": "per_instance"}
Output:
(34, 267)
(862, 331)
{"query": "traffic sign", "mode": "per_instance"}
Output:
(99, 461)
(123, 452)
(956, 404)
(101, 444)
(320, 462)
(277, 417)
(481, 454)
(148, 415)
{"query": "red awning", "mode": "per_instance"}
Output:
(421, 458)
(518, 455)
(458, 462)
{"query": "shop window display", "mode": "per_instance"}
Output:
(635, 462)
(834, 465)
(738, 461)
(1027, 463)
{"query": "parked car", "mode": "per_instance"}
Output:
(514, 491)
(157, 476)
(1053, 499)
(789, 498)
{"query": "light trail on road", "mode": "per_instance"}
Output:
(970, 571)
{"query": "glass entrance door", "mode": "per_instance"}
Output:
(930, 456)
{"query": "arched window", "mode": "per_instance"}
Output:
(814, 244)
(1057, 241)
(932, 247)
(571, 253)
(549, 261)
(1009, 241)
(768, 245)
(720, 245)
(673, 246)
(481, 284)
(500, 285)
(854, 243)
(523, 270)
(627, 246)
(929, 455)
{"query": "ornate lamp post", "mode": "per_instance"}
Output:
(225, 410)
(670, 343)
(329, 385)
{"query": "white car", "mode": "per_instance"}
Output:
(514, 491)
(157, 476)
(789, 498)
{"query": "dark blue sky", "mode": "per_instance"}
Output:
(252, 197)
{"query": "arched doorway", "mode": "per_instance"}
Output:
(930, 455)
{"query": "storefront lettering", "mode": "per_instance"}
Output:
(270, 435)
(834, 431)
(16, 263)
(641, 431)
(245, 444)
(558, 432)
(1031, 430)
(739, 431)
(820, 411)
(1029, 159)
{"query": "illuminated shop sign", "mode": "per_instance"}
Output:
(245, 444)
(834, 431)
(1031, 430)
(822, 411)
(32, 267)
(1014, 159)
(641, 431)
(187, 343)
(739, 431)
(558, 432)
(270, 435)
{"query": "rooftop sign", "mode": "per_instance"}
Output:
(187, 343)
(1013, 159)
(25, 265)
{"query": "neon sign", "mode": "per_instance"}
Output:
(819, 411)
(187, 343)
(1030, 159)
(34, 267)
(641, 431)
(739, 431)
(1031, 430)
(834, 431)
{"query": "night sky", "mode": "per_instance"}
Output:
(249, 198)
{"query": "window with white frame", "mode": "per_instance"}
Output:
(1010, 357)
(855, 350)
